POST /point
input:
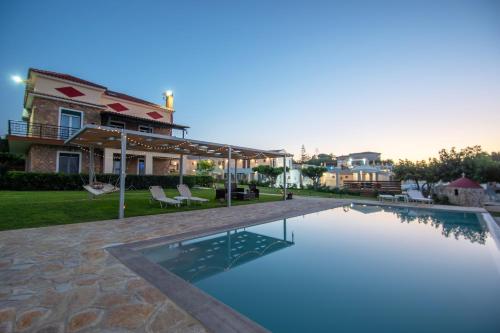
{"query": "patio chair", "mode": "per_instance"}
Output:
(157, 194)
(185, 194)
(416, 196)
(382, 197)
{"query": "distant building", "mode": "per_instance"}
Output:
(464, 192)
(356, 167)
(364, 158)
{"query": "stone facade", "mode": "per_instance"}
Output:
(43, 158)
(469, 197)
(162, 166)
(46, 111)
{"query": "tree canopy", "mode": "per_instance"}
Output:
(205, 167)
(315, 173)
(270, 172)
(472, 161)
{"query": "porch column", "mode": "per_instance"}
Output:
(108, 160)
(284, 177)
(181, 163)
(376, 176)
(337, 180)
(123, 173)
(148, 159)
(235, 171)
(229, 176)
(91, 165)
(181, 168)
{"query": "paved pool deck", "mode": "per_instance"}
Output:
(62, 278)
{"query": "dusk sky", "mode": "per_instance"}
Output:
(398, 77)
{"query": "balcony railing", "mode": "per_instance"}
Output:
(43, 131)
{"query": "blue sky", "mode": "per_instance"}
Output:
(400, 77)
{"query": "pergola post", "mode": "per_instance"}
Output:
(91, 165)
(229, 185)
(181, 168)
(123, 173)
(284, 177)
(235, 171)
(181, 164)
(284, 230)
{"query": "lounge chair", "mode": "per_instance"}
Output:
(382, 197)
(416, 196)
(185, 194)
(157, 194)
(98, 189)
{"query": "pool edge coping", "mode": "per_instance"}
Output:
(213, 314)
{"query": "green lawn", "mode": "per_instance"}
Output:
(29, 209)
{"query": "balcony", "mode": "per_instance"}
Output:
(40, 131)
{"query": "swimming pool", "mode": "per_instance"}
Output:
(357, 268)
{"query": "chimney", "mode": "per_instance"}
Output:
(169, 100)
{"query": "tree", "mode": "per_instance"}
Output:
(269, 172)
(303, 155)
(315, 173)
(419, 171)
(205, 167)
(472, 161)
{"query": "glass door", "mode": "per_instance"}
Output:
(70, 123)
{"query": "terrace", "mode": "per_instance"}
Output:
(63, 278)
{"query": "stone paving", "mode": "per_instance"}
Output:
(62, 279)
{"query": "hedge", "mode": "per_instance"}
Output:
(33, 181)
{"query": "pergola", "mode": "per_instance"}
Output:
(96, 136)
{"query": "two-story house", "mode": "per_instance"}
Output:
(57, 105)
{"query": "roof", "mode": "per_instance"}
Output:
(161, 123)
(66, 77)
(131, 98)
(109, 137)
(107, 92)
(464, 182)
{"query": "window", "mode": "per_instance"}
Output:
(68, 162)
(116, 124)
(116, 166)
(70, 122)
(141, 166)
(145, 129)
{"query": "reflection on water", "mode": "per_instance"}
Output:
(196, 260)
(455, 224)
(350, 273)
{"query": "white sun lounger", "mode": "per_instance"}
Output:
(382, 197)
(106, 188)
(414, 195)
(157, 194)
(185, 194)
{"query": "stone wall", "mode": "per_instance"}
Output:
(46, 111)
(43, 158)
(469, 197)
(161, 166)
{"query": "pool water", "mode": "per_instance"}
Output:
(351, 269)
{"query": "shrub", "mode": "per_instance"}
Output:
(10, 162)
(33, 181)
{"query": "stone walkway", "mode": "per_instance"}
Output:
(61, 278)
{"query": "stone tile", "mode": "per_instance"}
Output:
(130, 316)
(168, 316)
(151, 295)
(27, 319)
(83, 320)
